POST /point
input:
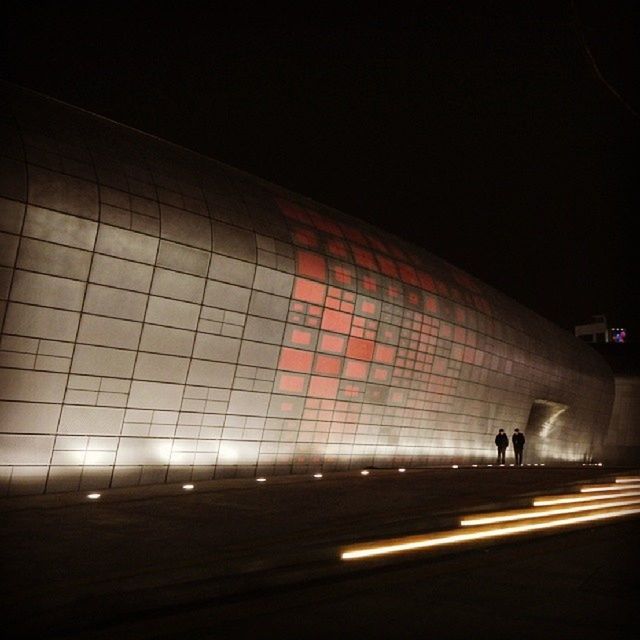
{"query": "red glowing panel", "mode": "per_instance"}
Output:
(377, 244)
(312, 322)
(342, 274)
(332, 303)
(387, 266)
(360, 349)
(295, 360)
(332, 343)
(309, 291)
(441, 288)
(305, 237)
(426, 281)
(355, 370)
(293, 211)
(380, 375)
(300, 336)
(336, 321)
(431, 305)
(408, 274)
(357, 331)
(440, 366)
(351, 390)
(369, 283)
(314, 310)
(292, 384)
(459, 334)
(364, 258)
(369, 307)
(320, 387)
(393, 291)
(396, 251)
(325, 224)
(347, 307)
(413, 298)
(312, 265)
(354, 234)
(459, 314)
(327, 365)
(337, 248)
(445, 330)
(384, 353)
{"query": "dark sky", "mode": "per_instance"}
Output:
(481, 130)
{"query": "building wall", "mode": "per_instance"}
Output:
(166, 318)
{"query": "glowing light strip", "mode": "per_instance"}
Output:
(632, 479)
(549, 501)
(608, 487)
(453, 537)
(526, 514)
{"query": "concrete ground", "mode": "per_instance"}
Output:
(238, 558)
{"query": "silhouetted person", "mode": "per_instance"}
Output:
(518, 445)
(502, 442)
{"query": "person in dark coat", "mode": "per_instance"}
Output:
(502, 442)
(518, 445)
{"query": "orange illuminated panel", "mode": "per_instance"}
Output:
(368, 307)
(301, 336)
(430, 304)
(305, 237)
(388, 266)
(327, 365)
(377, 244)
(426, 281)
(413, 298)
(295, 360)
(320, 387)
(292, 210)
(384, 353)
(364, 258)
(337, 248)
(370, 283)
(332, 343)
(354, 234)
(408, 274)
(309, 291)
(291, 383)
(459, 334)
(325, 224)
(360, 349)
(380, 374)
(312, 265)
(337, 321)
(342, 274)
(355, 370)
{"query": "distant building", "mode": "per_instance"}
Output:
(595, 331)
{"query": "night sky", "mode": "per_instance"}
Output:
(481, 131)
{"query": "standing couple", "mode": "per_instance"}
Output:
(502, 442)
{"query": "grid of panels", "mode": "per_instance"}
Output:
(165, 318)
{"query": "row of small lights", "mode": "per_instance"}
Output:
(365, 472)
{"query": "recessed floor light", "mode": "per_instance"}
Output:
(187, 487)
(261, 479)
(317, 475)
(364, 472)
(401, 469)
(93, 496)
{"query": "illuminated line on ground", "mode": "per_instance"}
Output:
(415, 543)
(632, 479)
(526, 514)
(549, 501)
(608, 487)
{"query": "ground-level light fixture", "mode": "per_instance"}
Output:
(93, 496)
(261, 479)
(188, 487)
(364, 472)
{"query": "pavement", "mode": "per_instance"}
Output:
(240, 558)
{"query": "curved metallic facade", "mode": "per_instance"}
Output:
(166, 317)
